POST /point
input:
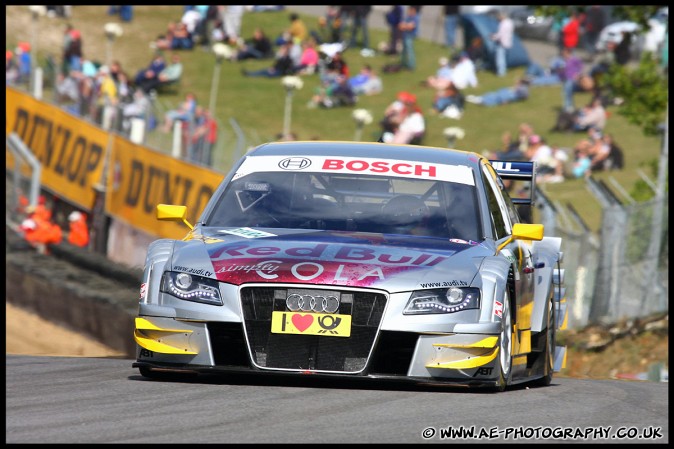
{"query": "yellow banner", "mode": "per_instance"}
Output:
(311, 324)
(140, 178)
(71, 151)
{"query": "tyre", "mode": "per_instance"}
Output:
(505, 356)
(548, 354)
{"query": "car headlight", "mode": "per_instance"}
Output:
(443, 300)
(191, 288)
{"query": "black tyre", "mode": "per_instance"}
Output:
(548, 354)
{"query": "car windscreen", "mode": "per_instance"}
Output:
(349, 202)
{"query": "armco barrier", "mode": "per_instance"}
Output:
(102, 306)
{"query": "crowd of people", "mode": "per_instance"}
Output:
(115, 98)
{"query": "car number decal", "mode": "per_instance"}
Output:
(379, 167)
(327, 325)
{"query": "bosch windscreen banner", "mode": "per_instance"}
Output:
(140, 178)
(71, 151)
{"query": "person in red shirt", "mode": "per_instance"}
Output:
(571, 31)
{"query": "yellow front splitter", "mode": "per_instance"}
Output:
(154, 338)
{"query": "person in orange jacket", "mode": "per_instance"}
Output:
(79, 231)
(38, 231)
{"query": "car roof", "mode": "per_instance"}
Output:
(417, 153)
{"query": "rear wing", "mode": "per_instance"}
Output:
(518, 171)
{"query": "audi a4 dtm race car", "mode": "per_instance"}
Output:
(357, 260)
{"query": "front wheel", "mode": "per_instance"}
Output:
(505, 357)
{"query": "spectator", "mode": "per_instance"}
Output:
(616, 156)
(72, 53)
(184, 112)
(450, 97)
(257, 47)
(182, 38)
(403, 121)
(510, 149)
(477, 53)
(519, 92)
(442, 77)
(333, 24)
(151, 72)
(538, 76)
(393, 18)
(204, 137)
(283, 65)
(335, 67)
(463, 74)
(232, 18)
(79, 230)
(359, 24)
(367, 82)
(549, 165)
(571, 31)
(24, 61)
(309, 58)
(591, 116)
(171, 74)
(297, 30)
(524, 132)
(570, 75)
(138, 108)
(452, 15)
(335, 94)
(165, 41)
(582, 160)
(595, 20)
(108, 98)
(622, 51)
(11, 69)
(409, 28)
(503, 38)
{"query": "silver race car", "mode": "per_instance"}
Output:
(357, 260)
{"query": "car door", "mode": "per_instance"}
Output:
(503, 216)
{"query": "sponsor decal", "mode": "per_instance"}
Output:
(143, 290)
(295, 163)
(379, 167)
(311, 324)
(452, 283)
(498, 309)
(146, 353)
(483, 371)
(465, 242)
(196, 271)
(248, 233)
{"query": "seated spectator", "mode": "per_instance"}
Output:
(549, 166)
(509, 151)
(519, 92)
(283, 65)
(538, 76)
(591, 116)
(442, 77)
(152, 71)
(463, 71)
(257, 47)
(477, 53)
(582, 160)
(184, 112)
(336, 66)
(447, 98)
(616, 156)
(403, 121)
(367, 82)
(165, 41)
(171, 74)
(308, 58)
(336, 94)
(182, 38)
(11, 69)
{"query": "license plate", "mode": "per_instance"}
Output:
(300, 323)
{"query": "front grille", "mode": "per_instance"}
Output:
(311, 352)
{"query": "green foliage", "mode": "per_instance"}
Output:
(634, 13)
(644, 91)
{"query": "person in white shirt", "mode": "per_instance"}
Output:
(463, 73)
(405, 122)
(504, 42)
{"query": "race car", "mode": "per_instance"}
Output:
(352, 259)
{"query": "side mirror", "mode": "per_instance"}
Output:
(170, 212)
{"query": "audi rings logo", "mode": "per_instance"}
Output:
(312, 303)
(294, 163)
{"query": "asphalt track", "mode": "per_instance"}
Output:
(105, 400)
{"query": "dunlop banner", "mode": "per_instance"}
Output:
(70, 150)
(141, 178)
